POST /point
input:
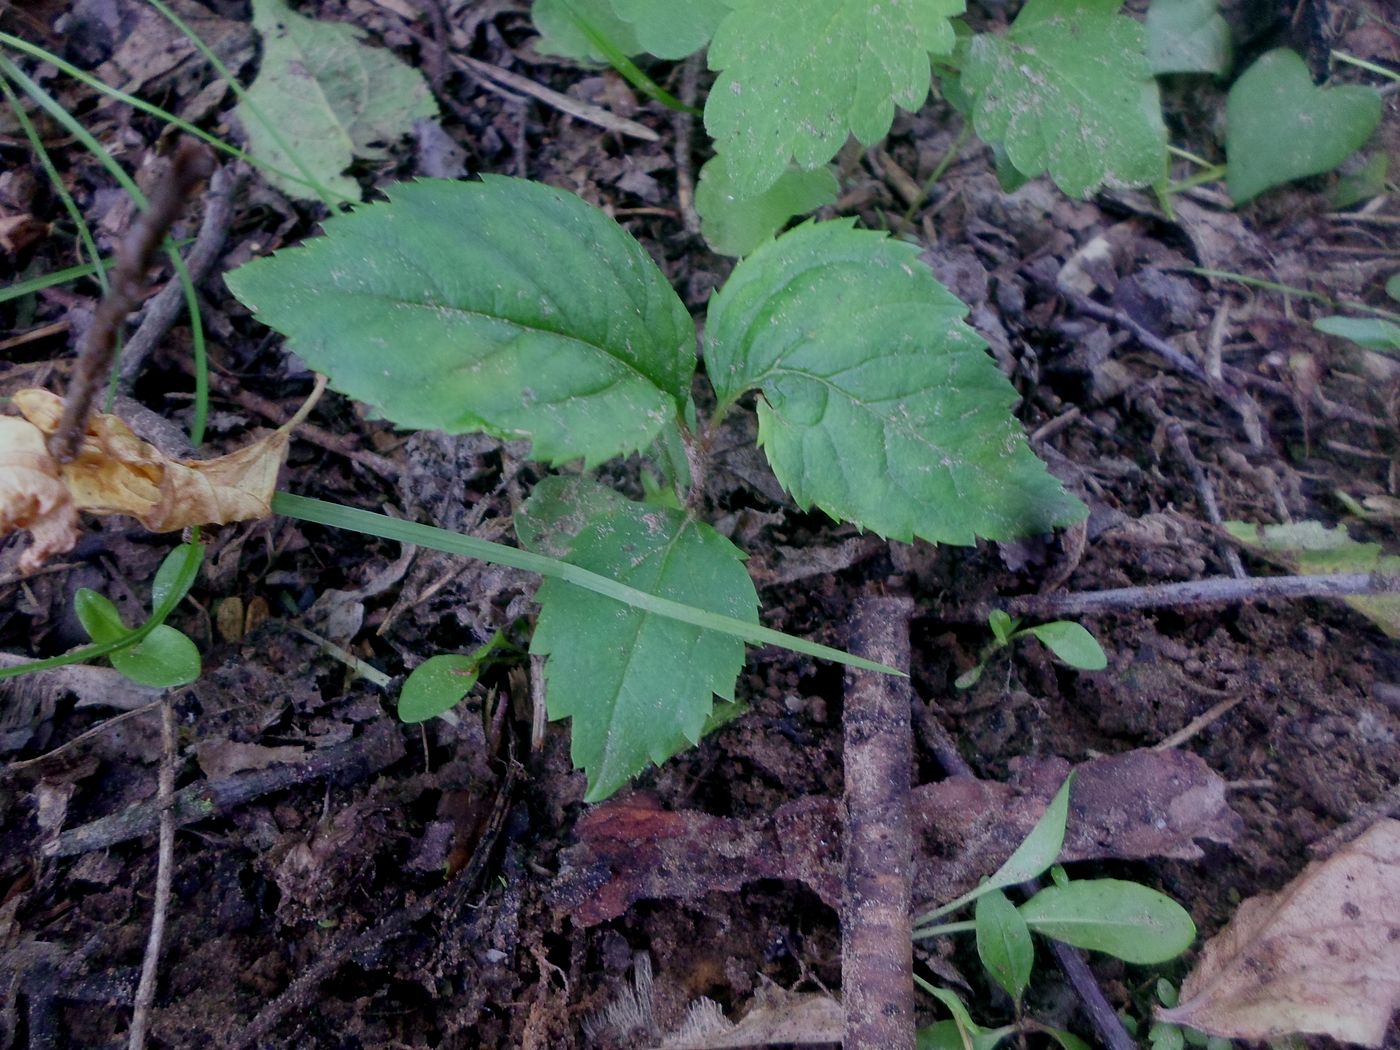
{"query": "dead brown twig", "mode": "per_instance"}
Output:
(165, 872)
(877, 951)
(192, 164)
(1218, 590)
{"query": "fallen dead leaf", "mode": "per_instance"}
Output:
(116, 472)
(1130, 806)
(1320, 957)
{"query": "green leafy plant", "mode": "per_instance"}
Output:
(516, 309)
(440, 682)
(1125, 919)
(1163, 1035)
(154, 654)
(1283, 127)
(1069, 641)
(1068, 89)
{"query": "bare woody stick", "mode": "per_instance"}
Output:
(191, 165)
(877, 950)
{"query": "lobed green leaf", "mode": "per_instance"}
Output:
(797, 77)
(735, 225)
(639, 687)
(1068, 89)
(503, 306)
(878, 404)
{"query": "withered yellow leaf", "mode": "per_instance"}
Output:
(32, 496)
(115, 472)
(1321, 956)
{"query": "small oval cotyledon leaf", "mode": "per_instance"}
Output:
(502, 305)
(638, 687)
(878, 404)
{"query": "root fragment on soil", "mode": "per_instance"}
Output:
(877, 952)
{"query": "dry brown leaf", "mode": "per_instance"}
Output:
(32, 496)
(116, 472)
(1320, 957)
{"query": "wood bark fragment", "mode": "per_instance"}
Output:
(877, 952)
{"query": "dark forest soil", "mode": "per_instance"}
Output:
(336, 878)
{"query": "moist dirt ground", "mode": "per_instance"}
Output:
(374, 885)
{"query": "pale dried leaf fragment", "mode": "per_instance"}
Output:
(1320, 957)
(32, 496)
(115, 472)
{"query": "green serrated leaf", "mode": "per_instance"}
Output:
(735, 225)
(1068, 90)
(330, 97)
(1283, 127)
(1072, 644)
(436, 685)
(163, 659)
(668, 29)
(98, 615)
(1004, 943)
(1188, 36)
(1123, 919)
(503, 305)
(638, 687)
(878, 404)
(799, 76)
(1370, 332)
(1310, 548)
(561, 34)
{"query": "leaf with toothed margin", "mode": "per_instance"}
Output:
(877, 403)
(638, 687)
(502, 306)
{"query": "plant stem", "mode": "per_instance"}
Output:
(922, 933)
(1370, 67)
(1285, 289)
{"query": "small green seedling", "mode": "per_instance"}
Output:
(1069, 641)
(154, 654)
(440, 682)
(516, 309)
(1164, 1035)
(1125, 919)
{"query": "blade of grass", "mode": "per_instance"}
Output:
(336, 516)
(624, 65)
(182, 273)
(1285, 289)
(328, 196)
(87, 245)
(34, 51)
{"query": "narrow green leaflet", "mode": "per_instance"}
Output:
(1123, 919)
(1281, 126)
(1370, 332)
(735, 225)
(878, 404)
(502, 305)
(1004, 943)
(798, 76)
(1068, 90)
(1311, 548)
(330, 97)
(561, 34)
(1188, 36)
(98, 615)
(668, 29)
(639, 687)
(1071, 643)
